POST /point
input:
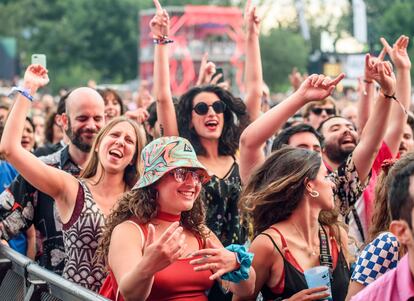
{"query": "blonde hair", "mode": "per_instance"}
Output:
(132, 172)
(311, 105)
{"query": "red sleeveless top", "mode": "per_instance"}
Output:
(178, 281)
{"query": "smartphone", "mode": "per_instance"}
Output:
(39, 59)
(219, 71)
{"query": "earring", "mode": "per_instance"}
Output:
(314, 194)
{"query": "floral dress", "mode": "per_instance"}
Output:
(221, 197)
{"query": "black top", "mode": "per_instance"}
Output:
(223, 216)
(295, 280)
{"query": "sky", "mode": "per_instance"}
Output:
(285, 11)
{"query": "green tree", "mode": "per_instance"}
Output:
(282, 49)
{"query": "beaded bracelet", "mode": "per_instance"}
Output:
(244, 259)
(162, 40)
(395, 98)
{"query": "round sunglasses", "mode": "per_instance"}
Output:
(202, 108)
(181, 174)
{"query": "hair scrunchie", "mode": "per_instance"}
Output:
(245, 259)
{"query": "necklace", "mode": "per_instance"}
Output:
(310, 250)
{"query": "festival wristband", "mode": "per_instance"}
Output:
(22, 91)
(244, 259)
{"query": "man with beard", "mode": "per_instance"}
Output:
(21, 205)
(407, 141)
(341, 138)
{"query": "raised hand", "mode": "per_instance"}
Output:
(318, 87)
(382, 73)
(35, 77)
(160, 23)
(295, 79)
(215, 258)
(139, 115)
(251, 20)
(167, 249)
(372, 61)
(398, 52)
(207, 70)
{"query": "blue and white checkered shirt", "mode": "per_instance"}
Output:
(378, 257)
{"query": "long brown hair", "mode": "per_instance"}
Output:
(381, 218)
(275, 190)
(132, 172)
(142, 204)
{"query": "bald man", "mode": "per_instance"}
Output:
(21, 205)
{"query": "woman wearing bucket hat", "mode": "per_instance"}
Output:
(155, 238)
(110, 169)
(212, 119)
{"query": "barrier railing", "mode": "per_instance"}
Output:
(23, 279)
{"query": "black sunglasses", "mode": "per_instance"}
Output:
(202, 108)
(318, 111)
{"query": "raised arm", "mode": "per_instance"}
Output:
(255, 135)
(49, 180)
(253, 64)
(374, 131)
(367, 92)
(167, 119)
(401, 60)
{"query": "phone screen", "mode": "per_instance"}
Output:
(219, 71)
(39, 59)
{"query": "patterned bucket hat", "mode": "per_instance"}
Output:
(165, 154)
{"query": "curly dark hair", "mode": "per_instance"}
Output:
(235, 119)
(275, 190)
(141, 203)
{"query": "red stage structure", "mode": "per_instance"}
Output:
(195, 30)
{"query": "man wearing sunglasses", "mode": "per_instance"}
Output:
(318, 111)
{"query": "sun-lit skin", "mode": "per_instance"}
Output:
(324, 186)
(183, 194)
(340, 134)
(209, 126)
(117, 148)
(407, 141)
(305, 140)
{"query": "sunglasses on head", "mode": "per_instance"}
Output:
(181, 174)
(202, 108)
(318, 111)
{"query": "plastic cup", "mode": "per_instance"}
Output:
(317, 277)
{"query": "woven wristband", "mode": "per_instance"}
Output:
(245, 260)
(22, 91)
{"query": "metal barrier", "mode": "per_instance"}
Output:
(22, 279)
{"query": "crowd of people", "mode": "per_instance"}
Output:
(209, 196)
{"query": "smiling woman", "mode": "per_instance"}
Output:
(111, 169)
(151, 255)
